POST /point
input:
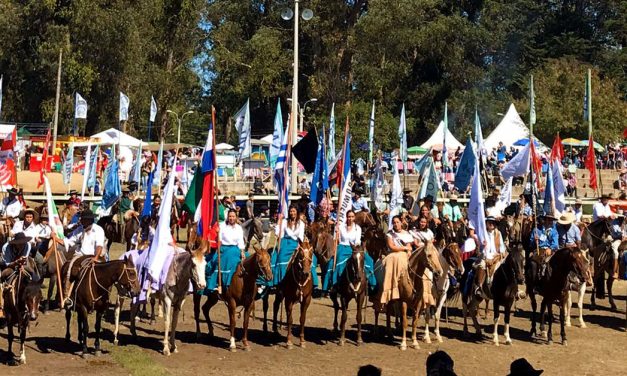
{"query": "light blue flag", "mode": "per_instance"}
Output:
(519, 165)
(430, 184)
(371, 135)
(93, 163)
(242, 124)
(466, 167)
(277, 135)
(112, 188)
(481, 152)
(444, 149)
(476, 210)
(402, 135)
(559, 190)
(331, 149)
(136, 173)
(157, 178)
(67, 165)
(421, 164)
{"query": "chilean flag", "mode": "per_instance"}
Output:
(208, 212)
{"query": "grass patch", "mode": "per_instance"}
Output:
(137, 362)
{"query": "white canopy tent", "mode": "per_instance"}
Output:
(224, 146)
(437, 138)
(113, 136)
(510, 129)
(267, 139)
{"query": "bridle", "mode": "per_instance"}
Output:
(353, 269)
(300, 259)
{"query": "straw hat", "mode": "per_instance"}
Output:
(566, 218)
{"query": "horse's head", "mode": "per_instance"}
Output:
(453, 257)
(433, 260)
(445, 233)
(303, 259)
(31, 297)
(129, 279)
(198, 268)
(356, 267)
(516, 258)
(580, 264)
(264, 264)
(324, 243)
(257, 228)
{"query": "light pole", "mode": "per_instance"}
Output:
(179, 121)
(287, 14)
(302, 110)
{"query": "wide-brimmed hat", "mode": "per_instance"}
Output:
(43, 217)
(87, 214)
(578, 202)
(73, 192)
(606, 196)
(521, 367)
(566, 218)
(20, 238)
(406, 190)
(549, 216)
(490, 219)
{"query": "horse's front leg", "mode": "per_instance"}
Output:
(543, 307)
(68, 318)
(97, 327)
(549, 335)
(580, 295)
(51, 284)
(568, 303)
(508, 311)
(84, 320)
(289, 304)
(175, 318)
(248, 307)
(427, 337)
(610, 283)
(336, 309)
(276, 306)
(232, 322)
(23, 329)
(166, 332)
(212, 299)
(562, 328)
(497, 317)
(116, 313)
(534, 309)
(360, 303)
(303, 318)
(133, 315)
(196, 301)
(344, 303)
(414, 329)
(438, 313)
(10, 337)
(404, 323)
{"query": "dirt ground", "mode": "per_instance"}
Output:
(594, 350)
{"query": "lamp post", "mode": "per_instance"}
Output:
(179, 121)
(287, 14)
(302, 110)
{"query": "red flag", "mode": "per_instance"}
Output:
(536, 164)
(591, 164)
(557, 151)
(10, 167)
(44, 160)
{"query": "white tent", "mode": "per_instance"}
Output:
(267, 139)
(113, 136)
(437, 138)
(509, 130)
(224, 146)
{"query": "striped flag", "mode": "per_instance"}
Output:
(331, 143)
(277, 135)
(371, 135)
(53, 214)
(281, 174)
(207, 205)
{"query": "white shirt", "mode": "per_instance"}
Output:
(423, 235)
(401, 237)
(88, 240)
(490, 250)
(578, 215)
(295, 233)
(43, 231)
(601, 211)
(350, 237)
(28, 231)
(232, 235)
(10, 209)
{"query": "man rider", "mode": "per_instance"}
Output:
(10, 207)
(569, 235)
(619, 234)
(27, 226)
(451, 209)
(408, 201)
(545, 238)
(359, 203)
(601, 210)
(491, 256)
(13, 255)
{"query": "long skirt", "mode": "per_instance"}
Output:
(344, 253)
(388, 275)
(230, 258)
(281, 258)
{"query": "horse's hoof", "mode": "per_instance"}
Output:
(341, 342)
(303, 345)
(81, 354)
(97, 353)
(247, 348)
(115, 342)
(233, 349)
(550, 342)
(440, 339)
(176, 350)
(583, 325)
(359, 342)
(613, 308)
(403, 347)
(568, 325)
(564, 342)
(166, 352)
(508, 342)
(415, 345)
(427, 340)
(290, 345)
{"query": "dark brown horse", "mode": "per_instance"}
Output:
(352, 284)
(240, 293)
(597, 239)
(21, 304)
(296, 287)
(554, 289)
(90, 292)
(365, 220)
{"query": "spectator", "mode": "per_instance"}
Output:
(440, 363)
(258, 187)
(303, 187)
(521, 367)
(250, 207)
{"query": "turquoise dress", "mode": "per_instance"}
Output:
(281, 258)
(230, 258)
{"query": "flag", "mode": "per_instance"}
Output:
(344, 202)
(371, 135)
(153, 109)
(591, 164)
(53, 214)
(549, 199)
(536, 162)
(86, 169)
(147, 208)
(344, 163)
(331, 143)
(136, 174)
(519, 165)
(532, 105)
(1, 77)
(396, 197)
(430, 184)
(163, 242)
(124, 105)
(444, 149)
(420, 164)
(377, 185)
(305, 151)
(157, 178)
(80, 107)
(476, 211)
(277, 135)
(481, 152)
(242, 124)
(466, 167)
(402, 135)
(93, 163)
(112, 187)
(281, 175)
(207, 207)
(67, 165)
(505, 198)
(559, 189)
(44, 160)
(320, 180)
(557, 151)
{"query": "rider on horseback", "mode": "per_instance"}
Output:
(359, 203)
(10, 207)
(14, 255)
(490, 259)
(619, 234)
(568, 233)
(546, 238)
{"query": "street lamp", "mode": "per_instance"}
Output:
(288, 14)
(302, 111)
(179, 120)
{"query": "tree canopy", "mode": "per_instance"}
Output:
(421, 53)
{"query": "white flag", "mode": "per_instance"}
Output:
(371, 135)
(476, 210)
(86, 171)
(331, 158)
(53, 215)
(505, 198)
(124, 104)
(153, 109)
(80, 107)
(242, 124)
(345, 200)
(396, 198)
(402, 134)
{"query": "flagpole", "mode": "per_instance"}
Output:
(284, 190)
(336, 238)
(56, 104)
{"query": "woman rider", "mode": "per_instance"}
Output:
(293, 230)
(394, 264)
(231, 252)
(350, 235)
(423, 233)
(426, 213)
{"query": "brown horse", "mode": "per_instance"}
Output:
(597, 239)
(240, 293)
(375, 243)
(297, 286)
(365, 220)
(21, 303)
(352, 284)
(412, 291)
(54, 259)
(91, 290)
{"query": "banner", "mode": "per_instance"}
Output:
(53, 214)
(124, 104)
(80, 107)
(68, 164)
(93, 167)
(8, 175)
(345, 201)
(153, 109)
(242, 124)
(505, 198)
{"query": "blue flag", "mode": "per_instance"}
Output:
(549, 199)
(466, 167)
(113, 190)
(136, 173)
(91, 179)
(277, 135)
(320, 182)
(147, 209)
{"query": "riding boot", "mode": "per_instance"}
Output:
(615, 274)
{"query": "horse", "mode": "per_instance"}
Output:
(91, 292)
(22, 296)
(597, 239)
(54, 259)
(240, 293)
(578, 286)
(297, 286)
(365, 220)
(323, 245)
(375, 242)
(253, 228)
(110, 225)
(554, 288)
(452, 265)
(412, 292)
(352, 284)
